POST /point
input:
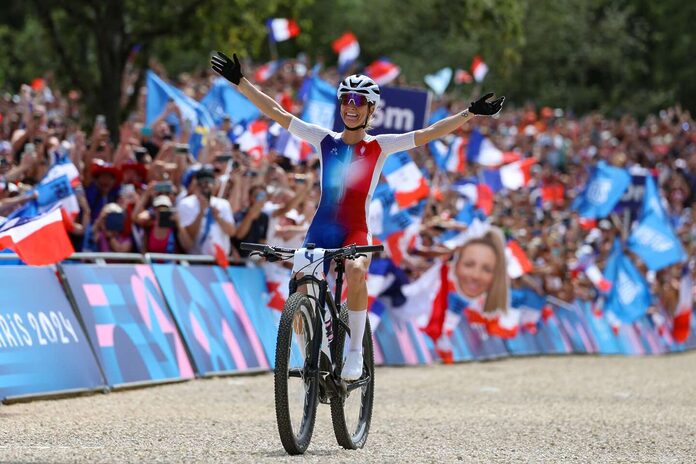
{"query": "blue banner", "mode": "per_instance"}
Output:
(319, 103)
(213, 320)
(223, 99)
(126, 318)
(159, 93)
(400, 110)
(42, 346)
(603, 191)
(250, 284)
(629, 297)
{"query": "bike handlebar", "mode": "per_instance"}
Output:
(330, 252)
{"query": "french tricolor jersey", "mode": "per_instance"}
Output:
(349, 175)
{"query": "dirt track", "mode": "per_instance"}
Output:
(550, 409)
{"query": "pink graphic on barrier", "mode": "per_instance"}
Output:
(105, 334)
(402, 337)
(586, 339)
(198, 334)
(233, 346)
(146, 301)
(95, 294)
(239, 309)
(428, 359)
(636, 344)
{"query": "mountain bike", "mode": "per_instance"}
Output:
(310, 348)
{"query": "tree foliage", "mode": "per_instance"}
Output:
(611, 55)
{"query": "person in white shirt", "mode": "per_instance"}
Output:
(207, 219)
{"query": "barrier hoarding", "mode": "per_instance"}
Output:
(43, 349)
(250, 285)
(128, 323)
(212, 317)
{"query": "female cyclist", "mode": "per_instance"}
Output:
(350, 162)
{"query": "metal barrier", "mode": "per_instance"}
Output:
(101, 258)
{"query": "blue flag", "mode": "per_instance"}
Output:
(320, 103)
(527, 298)
(652, 205)
(54, 191)
(653, 238)
(630, 296)
(160, 92)
(223, 99)
(603, 191)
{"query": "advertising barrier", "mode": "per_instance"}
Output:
(43, 349)
(212, 318)
(128, 323)
(123, 325)
(250, 284)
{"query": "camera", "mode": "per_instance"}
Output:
(164, 187)
(181, 148)
(166, 218)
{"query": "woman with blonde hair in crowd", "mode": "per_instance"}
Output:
(480, 270)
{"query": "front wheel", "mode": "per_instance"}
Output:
(296, 382)
(351, 415)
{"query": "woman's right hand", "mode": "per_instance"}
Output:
(228, 68)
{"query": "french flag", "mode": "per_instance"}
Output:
(347, 48)
(600, 282)
(38, 241)
(511, 176)
(477, 193)
(293, 148)
(456, 157)
(266, 71)
(382, 71)
(504, 325)
(276, 282)
(281, 29)
(518, 263)
(682, 316)
(406, 179)
(481, 150)
(254, 140)
(479, 69)
(462, 77)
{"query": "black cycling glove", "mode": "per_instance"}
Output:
(485, 108)
(228, 68)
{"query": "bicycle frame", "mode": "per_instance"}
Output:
(319, 294)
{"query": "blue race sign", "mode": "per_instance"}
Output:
(400, 110)
(42, 346)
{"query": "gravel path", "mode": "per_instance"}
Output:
(547, 409)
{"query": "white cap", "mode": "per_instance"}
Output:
(162, 200)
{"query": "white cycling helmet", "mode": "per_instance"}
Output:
(361, 84)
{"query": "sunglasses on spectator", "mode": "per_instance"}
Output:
(353, 99)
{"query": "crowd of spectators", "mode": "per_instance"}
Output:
(148, 193)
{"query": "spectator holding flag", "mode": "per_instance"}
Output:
(351, 164)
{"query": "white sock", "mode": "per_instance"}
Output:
(356, 322)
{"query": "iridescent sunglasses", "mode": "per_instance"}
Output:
(352, 98)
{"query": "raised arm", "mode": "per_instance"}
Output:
(231, 70)
(450, 124)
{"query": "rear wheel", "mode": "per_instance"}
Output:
(351, 415)
(296, 382)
